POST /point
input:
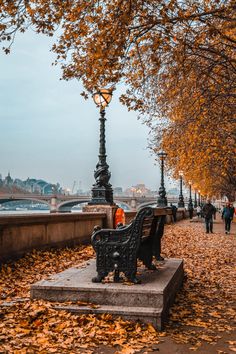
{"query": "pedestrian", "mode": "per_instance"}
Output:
(198, 211)
(209, 211)
(190, 211)
(174, 211)
(227, 215)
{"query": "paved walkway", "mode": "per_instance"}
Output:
(218, 226)
(168, 345)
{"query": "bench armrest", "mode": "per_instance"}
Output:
(111, 235)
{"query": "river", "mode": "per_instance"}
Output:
(27, 212)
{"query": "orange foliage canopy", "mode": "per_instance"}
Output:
(177, 59)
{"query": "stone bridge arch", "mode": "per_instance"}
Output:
(66, 206)
(29, 199)
(119, 202)
(146, 204)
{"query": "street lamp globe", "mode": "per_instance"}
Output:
(102, 97)
(162, 155)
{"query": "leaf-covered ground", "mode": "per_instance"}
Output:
(203, 314)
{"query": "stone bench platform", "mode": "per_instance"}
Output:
(148, 302)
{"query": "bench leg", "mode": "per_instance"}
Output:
(145, 255)
(132, 278)
(100, 276)
(151, 266)
(159, 258)
(116, 276)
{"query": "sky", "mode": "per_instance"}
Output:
(48, 131)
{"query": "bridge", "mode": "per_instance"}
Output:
(64, 203)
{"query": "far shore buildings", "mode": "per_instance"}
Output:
(30, 185)
(42, 187)
(139, 190)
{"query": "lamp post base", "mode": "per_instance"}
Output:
(162, 202)
(181, 202)
(109, 210)
(102, 195)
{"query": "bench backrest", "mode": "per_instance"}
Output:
(147, 219)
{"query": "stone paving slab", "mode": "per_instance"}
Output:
(156, 291)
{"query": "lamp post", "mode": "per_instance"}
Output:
(162, 200)
(181, 198)
(195, 198)
(102, 192)
(190, 201)
(199, 198)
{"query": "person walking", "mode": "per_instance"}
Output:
(198, 211)
(227, 215)
(209, 211)
(174, 211)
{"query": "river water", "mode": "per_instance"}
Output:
(22, 212)
(30, 212)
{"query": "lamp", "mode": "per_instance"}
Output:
(195, 198)
(181, 198)
(102, 97)
(162, 200)
(190, 202)
(199, 197)
(102, 192)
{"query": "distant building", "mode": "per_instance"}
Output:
(42, 187)
(31, 185)
(8, 180)
(173, 192)
(118, 191)
(139, 190)
(19, 183)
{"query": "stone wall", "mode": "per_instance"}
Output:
(180, 215)
(21, 234)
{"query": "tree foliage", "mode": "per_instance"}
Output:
(177, 59)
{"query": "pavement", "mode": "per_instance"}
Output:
(218, 224)
(168, 345)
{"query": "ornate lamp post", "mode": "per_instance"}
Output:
(162, 200)
(190, 201)
(181, 198)
(102, 192)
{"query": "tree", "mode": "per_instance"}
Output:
(177, 59)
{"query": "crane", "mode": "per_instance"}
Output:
(73, 187)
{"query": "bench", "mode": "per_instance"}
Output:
(118, 249)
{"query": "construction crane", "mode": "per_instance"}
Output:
(73, 187)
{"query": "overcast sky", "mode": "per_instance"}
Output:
(49, 131)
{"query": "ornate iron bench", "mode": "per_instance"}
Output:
(118, 249)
